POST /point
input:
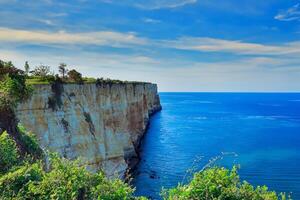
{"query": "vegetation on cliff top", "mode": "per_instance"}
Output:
(43, 74)
(12, 85)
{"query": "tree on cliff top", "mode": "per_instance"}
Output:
(13, 88)
(62, 68)
(75, 76)
(26, 67)
(42, 71)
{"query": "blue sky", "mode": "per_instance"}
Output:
(182, 45)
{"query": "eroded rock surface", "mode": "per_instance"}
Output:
(101, 124)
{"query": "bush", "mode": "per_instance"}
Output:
(14, 89)
(8, 153)
(17, 184)
(219, 183)
(66, 180)
(30, 141)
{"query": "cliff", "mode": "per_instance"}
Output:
(101, 124)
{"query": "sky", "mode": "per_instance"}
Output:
(182, 45)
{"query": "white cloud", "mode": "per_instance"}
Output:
(160, 4)
(109, 38)
(291, 14)
(131, 40)
(151, 21)
(153, 4)
(60, 14)
(204, 44)
(46, 21)
(118, 39)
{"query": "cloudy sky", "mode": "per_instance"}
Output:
(183, 45)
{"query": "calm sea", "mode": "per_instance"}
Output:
(258, 131)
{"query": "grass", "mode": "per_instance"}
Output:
(34, 80)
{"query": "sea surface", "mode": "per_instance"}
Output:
(258, 131)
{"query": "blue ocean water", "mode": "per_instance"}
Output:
(258, 131)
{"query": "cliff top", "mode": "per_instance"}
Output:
(43, 74)
(37, 80)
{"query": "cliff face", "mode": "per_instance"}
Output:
(101, 124)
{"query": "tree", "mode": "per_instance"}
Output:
(4, 64)
(26, 67)
(42, 71)
(62, 68)
(75, 76)
(7, 68)
(13, 88)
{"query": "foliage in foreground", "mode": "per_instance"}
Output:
(60, 179)
(8, 152)
(66, 180)
(30, 141)
(220, 184)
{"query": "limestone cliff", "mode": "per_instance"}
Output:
(102, 124)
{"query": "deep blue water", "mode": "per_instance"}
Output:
(258, 131)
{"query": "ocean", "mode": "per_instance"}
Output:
(260, 132)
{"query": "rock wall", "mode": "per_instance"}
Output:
(101, 124)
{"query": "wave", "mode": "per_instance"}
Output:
(198, 102)
(268, 117)
(200, 118)
(266, 104)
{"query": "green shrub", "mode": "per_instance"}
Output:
(66, 180)
(30, 141)
(14, 90)
(110, 189)
(89, 80)
(8, 152)
(16, 184)
(218, 184)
